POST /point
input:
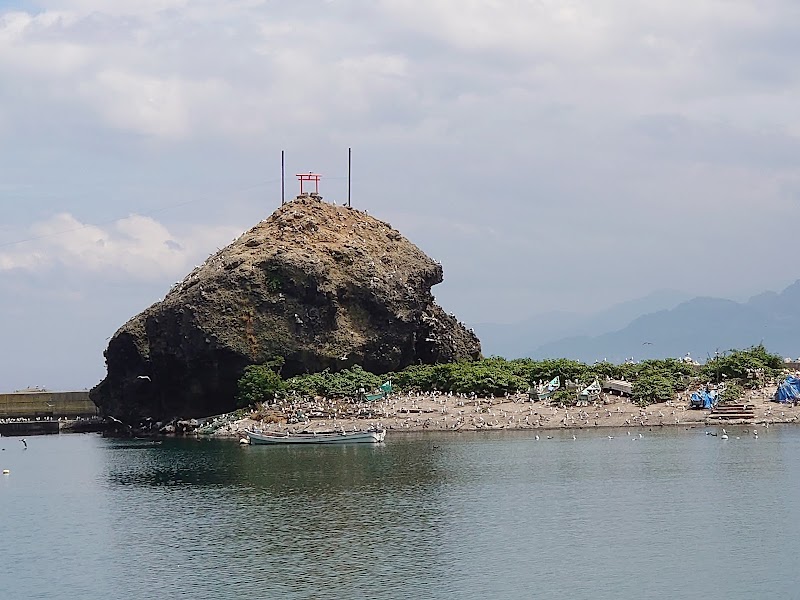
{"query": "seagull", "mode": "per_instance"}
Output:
(24, 443)
(147, 377)
(647, 343)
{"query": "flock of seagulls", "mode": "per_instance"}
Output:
(724, 435)
(574, 437)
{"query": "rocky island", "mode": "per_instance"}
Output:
(320, 285)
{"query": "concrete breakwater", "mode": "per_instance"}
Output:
(47, 405)
(29, 427)
(49, 426)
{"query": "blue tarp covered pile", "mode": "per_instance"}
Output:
(788, 391)
(704, 399)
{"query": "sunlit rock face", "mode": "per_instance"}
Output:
(323, 286)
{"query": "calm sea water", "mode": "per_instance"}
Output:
(676, 514)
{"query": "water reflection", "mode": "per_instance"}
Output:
(478, 515)
(338, 515)
(275, 470)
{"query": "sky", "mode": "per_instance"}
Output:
(552, 154)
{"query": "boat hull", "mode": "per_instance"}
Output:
(354, 437)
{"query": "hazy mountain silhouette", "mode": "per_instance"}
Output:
(520, 339)
(700, 326)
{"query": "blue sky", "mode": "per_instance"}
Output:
(552, 155)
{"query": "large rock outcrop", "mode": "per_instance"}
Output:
(321, 285)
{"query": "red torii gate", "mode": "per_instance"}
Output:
(315, 177)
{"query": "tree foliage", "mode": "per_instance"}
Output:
(565, 397)
(732, 393)
(654, 380)
(346, 383)
(750, 367)
(652, 387)
(486, 377)
(563, 368)
(657, 380)
(259, 383)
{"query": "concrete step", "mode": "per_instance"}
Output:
(733, 416)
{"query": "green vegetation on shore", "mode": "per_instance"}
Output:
(653, 380)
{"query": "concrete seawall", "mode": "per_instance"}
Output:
(46, 426)
(51, 405)
(29, 428)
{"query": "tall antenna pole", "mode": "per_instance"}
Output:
(283, 184)
(349, 163)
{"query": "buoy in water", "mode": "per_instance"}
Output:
(244, 441)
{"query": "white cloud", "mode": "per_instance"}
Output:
(141, 104)
(117, 8)
(28, 48)
(174, 69)
(163, 70)
(135, 247)
(576, 28)
(571, 112)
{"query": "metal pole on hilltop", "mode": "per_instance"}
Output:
(283, 184)
(349, 163)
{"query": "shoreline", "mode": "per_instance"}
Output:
(441, 413)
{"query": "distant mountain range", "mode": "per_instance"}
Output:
(663, 324)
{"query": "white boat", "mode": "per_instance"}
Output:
(364, 436)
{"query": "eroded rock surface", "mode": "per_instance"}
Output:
(318, 284)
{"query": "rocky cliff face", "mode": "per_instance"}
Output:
(321, 285)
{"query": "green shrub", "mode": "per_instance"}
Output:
(487, 377)
(259, 383)
(680, 374)
(565, 397)
(732, 393)
(563, 368)
(653, 380)
(651, 388)
(346, 383)
(752, 367)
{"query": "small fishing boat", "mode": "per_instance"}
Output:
(137, 443)
(364, 436)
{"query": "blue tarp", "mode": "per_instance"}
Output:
(704, 399)
(788, 391)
